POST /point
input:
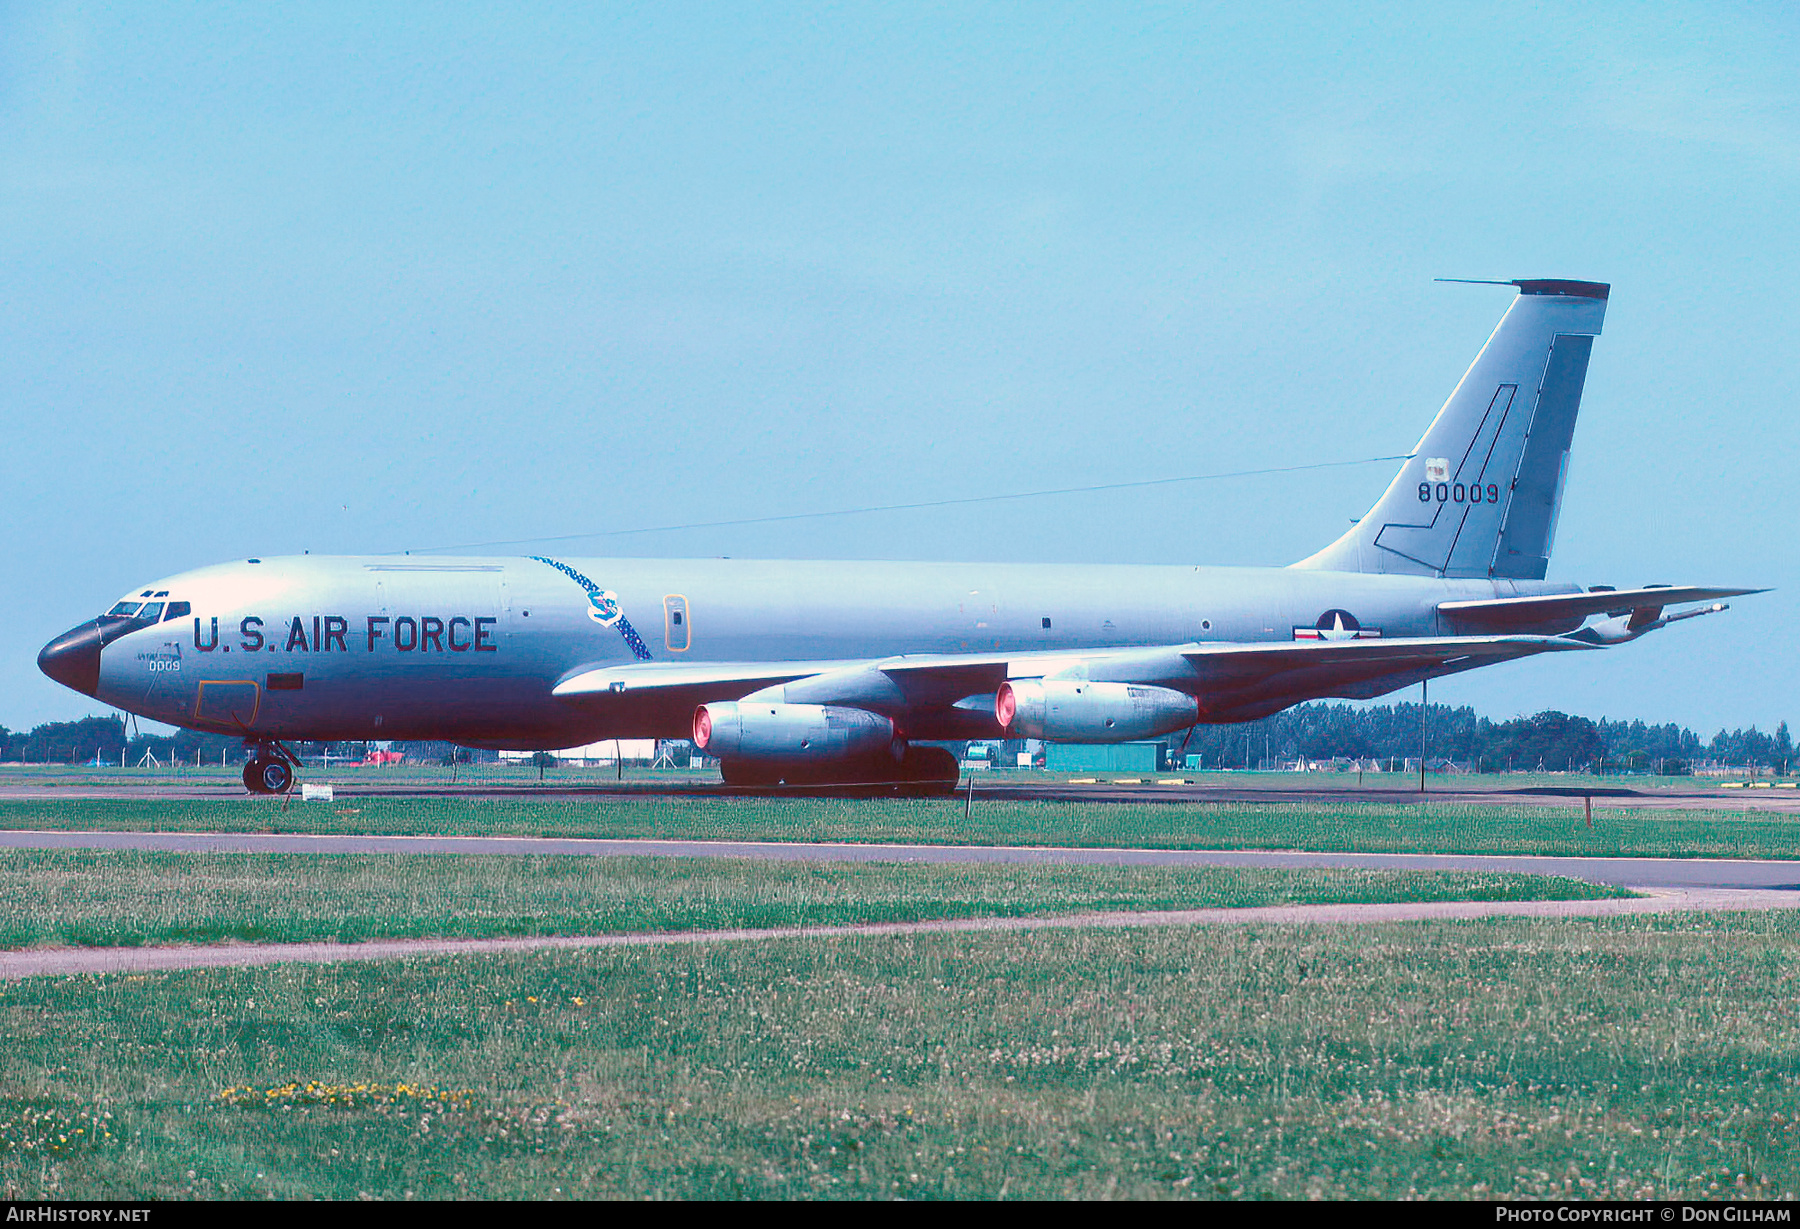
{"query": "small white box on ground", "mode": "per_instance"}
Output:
(315, 793)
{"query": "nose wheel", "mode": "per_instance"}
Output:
(269, 770)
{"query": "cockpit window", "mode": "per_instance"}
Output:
(151, 612)
(123, 610)
(177, 609)
(160, 593)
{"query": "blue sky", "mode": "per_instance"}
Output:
(354, 281)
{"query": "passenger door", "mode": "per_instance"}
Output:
(677, 624)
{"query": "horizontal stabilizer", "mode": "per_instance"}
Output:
(1560, 612)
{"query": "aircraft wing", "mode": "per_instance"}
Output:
(1229, 672)
(1240, 682)
(1217, 661)
(886, 684)
(658, 698)
(726, 680)
(1399, 652)
(1567, 611)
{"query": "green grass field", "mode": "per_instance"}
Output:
(103, 898)
(513, 774)
(1630, 1057)
(1507, 1058)
(1433, 827)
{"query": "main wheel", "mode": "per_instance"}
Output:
(268, 777)
(747, 774)
(930, 770)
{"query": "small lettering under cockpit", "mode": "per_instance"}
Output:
(167, 658)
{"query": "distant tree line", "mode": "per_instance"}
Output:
(1549, 741)
(66, 742)
(79, 742)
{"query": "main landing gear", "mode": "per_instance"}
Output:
(922, 772)
(270, 769)
(929, 772)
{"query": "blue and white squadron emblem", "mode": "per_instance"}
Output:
(603, 608)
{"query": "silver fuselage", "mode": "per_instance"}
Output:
(470, 649)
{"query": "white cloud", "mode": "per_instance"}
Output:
(1693, 103)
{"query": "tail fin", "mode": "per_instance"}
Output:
(1480, 494)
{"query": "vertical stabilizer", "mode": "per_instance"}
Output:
(1480, 495)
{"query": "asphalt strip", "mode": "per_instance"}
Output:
(47, 962)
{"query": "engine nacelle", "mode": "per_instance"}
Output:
(795, 734)
(1077, 711)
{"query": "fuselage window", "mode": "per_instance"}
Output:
(124, 610)
(177, 609)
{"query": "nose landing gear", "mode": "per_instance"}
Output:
(270, 769)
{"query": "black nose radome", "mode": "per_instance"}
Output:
(73, 658)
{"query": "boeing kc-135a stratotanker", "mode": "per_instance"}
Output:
(836, 673)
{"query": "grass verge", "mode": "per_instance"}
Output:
(564, 776)
(1644, 1057)
(122, 898)
(1347, 826)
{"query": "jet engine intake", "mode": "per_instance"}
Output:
(1078, 711)
(783, 735)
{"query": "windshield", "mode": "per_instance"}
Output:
(129, 615)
